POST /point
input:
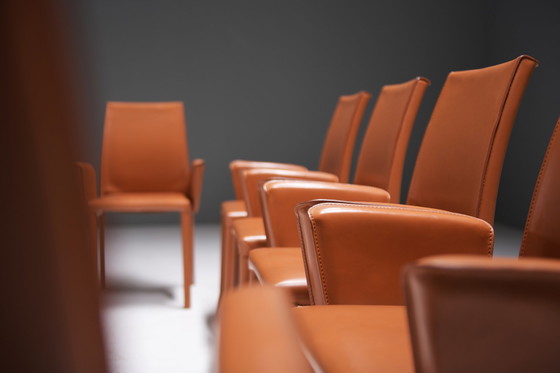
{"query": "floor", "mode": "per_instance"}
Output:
(146, 329)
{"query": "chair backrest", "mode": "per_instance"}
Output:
(460, 160)
(280, 197)
(542, 236)
(473, 314)
(144, 148)
(381, 160)
(354, 252)
(338, 148)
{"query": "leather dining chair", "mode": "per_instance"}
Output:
(145, 168)
(336, 158)
(459, 163)
(380, 162)
(251, 228)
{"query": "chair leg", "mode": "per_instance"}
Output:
(101, 221)
(253, 280)
(187, 236)
(227, 276)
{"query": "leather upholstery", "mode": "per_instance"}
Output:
(542, 236)
(145, 168)
(380, 164)
(139, 156)
(460, 159)
(231, 210)
(378, 239)
(247, 233)
(463, 314)
(281, 267)
(342, 339)
(470, 314)
(142, 202)
(336, 157)
(249, 343)
(252, 181)
(280, 197)
(467, 137)
(237, 167)
(381, 160)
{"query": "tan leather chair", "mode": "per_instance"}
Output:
(279, 199)
(145, 168)
(380, 162)
(459, 163)
(248, 233)
(541, 236)
(336, 158)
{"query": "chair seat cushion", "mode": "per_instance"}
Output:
(357, 338)
(282, 267)
(249, 233)
(141, 202)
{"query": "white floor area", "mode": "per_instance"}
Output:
(147, 330)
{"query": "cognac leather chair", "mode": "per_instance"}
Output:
(248, 233)
(145, 168)
(380, 162)
(459, 163)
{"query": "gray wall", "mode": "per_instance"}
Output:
(260, 79)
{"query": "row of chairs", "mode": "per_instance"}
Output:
(457, 169)
(463, 313)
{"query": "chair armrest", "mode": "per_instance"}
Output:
(257, 333)
(279, 198)
(253, 179)
(354, 252)
(195, 185)
(237, 167)
(87, 180)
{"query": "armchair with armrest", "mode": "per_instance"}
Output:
(459, 163)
